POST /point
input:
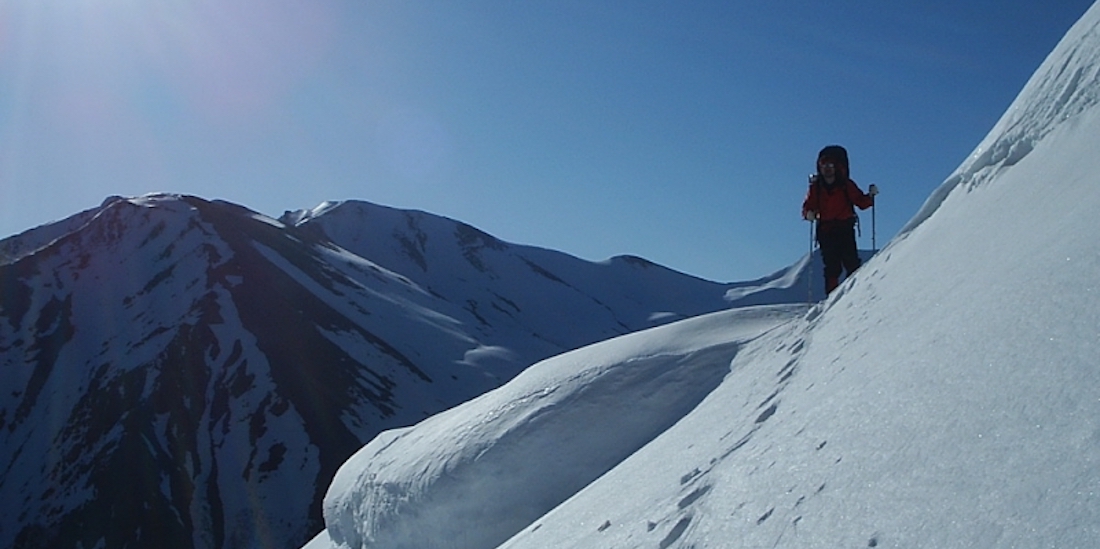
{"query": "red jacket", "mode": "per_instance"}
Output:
(835, 202)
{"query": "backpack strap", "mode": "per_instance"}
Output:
(815, 180)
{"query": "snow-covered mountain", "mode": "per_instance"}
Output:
(188, 373)
(946, 396)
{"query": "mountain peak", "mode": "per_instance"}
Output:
(232, 358)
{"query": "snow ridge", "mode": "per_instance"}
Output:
(1065, 85)
(476, 475)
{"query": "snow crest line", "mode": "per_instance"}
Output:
(1063, 88)
(505, 459)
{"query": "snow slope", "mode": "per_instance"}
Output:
(477, 473)
(947, 396)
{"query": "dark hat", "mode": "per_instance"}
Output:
(838, 155)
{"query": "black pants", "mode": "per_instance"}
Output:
(838, 249)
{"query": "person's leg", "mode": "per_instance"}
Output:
(848, 252)
(831, 256)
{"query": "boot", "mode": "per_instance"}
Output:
(831, 282)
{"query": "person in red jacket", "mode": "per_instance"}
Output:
(831, 201)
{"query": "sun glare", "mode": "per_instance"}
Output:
(130, 94)
(223, 58)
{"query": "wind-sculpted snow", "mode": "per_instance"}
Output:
(1064, 87)
(473, 476)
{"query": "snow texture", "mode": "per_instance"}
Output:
(510, 456)
(948, 395)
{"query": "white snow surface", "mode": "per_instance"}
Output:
(476, 474)
(948, 395)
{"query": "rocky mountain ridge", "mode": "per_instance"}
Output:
(175, 367)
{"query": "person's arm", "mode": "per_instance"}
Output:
(858, 197)
(808, 212)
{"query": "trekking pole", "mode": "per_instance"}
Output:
(809, 269)
(874, 242)
(810, 258)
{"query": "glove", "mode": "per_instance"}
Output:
(810, 215)
(872, 190)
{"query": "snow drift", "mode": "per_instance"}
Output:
(946, 396)
(478, 473)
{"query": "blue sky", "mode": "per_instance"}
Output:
(678, 131)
